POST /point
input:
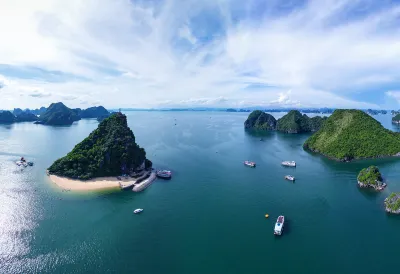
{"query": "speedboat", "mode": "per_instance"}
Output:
(250, 164)
(279, 225)
(30, 163)
(290, 177)
(165, 174)
(289, 163)
(138, 210)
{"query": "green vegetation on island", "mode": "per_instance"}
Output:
(260, 120)
(371, 177)
(6, 117)
(94, 112)
(295, 122)
(396, 119)
(26, 117)
(58, 114)
(392, 203)
(352, 134)
(110, 150)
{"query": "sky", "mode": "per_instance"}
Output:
(208, 53)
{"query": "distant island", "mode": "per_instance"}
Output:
(353, 134)
(295, 122)
(260, 120)
(6, 117)
(396, 119)
(110, 150)
(371, 178)
(58, 114)
(392, 203)
(94, 112)
(292, 122)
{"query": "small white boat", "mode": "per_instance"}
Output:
(138, 210)
(279, 225)
(249, 163)
(290, 178)
(289, 163)
(165, 174)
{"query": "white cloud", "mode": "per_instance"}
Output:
(128, 53)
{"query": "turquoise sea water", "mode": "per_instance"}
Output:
(209, 218)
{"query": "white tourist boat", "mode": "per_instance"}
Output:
(249, 163)
(279, 225)
(289, 163)
(165, 174)
(290, 178)
(138, 210)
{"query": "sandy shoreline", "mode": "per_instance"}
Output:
(79, 185)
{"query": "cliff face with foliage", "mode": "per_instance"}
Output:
(370, 177)
(110, 150)
(260, 120)
(353, 134)
(295, 122)
(392, 203)
(58, 114)
(94, 112)
(6, 117)
(26, 117)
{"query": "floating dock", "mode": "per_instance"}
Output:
(141, 185)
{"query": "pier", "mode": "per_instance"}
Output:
(142, 184)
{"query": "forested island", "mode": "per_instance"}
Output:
(371, 177)
(110, 150)
(292, 122)
(58, 114)
(396, 119)
(392, 203)
(350, 134)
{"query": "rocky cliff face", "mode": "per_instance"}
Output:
(260, 120)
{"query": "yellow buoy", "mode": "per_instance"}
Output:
(266, 215)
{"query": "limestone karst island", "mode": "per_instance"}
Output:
(104, 160)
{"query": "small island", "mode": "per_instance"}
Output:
(94, 112)
(350, 134)
(392, 203)
(371, 177)
(295, 122)
(259, 120)
(58, 114)
(6, 117)
(96, 162)
(292, 122)
(396, 119)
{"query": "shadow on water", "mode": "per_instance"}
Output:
(261, 134)
(369, 193)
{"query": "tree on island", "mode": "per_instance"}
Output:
(371, 177)
(110, 150)
(392, 203)
(353, 134)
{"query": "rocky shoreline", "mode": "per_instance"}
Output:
(392, 203)
(378, 187)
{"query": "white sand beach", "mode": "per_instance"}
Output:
(79, 185)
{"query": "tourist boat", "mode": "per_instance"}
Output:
(30, 163)
(289, 163)
(138, 210)
(290, 177)
(165, 174)
(279, 225)
(250, 164)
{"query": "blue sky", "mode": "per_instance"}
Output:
(211, 53)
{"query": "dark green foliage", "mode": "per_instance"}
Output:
(353, 134)
(295, 122)
(396, 119)
(260, 120)
(392, 203)
(370, 176)
(58, 114)
(26, 117)
(17, 111)
(95, 112)
(110, 150)
(6, 117)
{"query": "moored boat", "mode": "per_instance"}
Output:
(289, 163)
(249, 163)
(290, 178)
(165, 174)
(279, 225)
(138, 210)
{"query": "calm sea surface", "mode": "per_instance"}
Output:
(209, 218)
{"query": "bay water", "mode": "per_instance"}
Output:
(210, 218)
